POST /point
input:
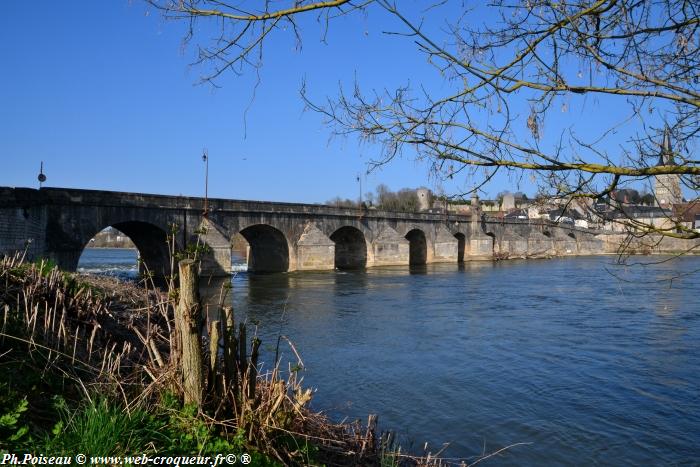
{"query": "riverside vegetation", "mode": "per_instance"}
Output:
(94, 365)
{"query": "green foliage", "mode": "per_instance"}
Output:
(173, 229)
(193, 251)
(185, 432)
(103, 429)
(305, 453)
(14, 432)
(45, 266)
(98, 427)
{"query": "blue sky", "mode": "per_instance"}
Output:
(103, 93)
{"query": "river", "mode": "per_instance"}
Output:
(588, 362)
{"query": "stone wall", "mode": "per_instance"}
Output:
(23, 228)
(22, 222)
(649, 244)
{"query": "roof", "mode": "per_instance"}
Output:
(515, 214)
(687, 212)
(554, 214)
(636, 211)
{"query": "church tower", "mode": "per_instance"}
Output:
(667, 187)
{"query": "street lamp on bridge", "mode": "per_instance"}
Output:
(205, 159)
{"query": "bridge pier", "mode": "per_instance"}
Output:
(390, 249)
(445, 246)
(480, 244)
(539, 245)
(564, 244)
(217, 261)
(315, 251)
(510, 245)
(590, 245)
(480, 247)
(65, 259)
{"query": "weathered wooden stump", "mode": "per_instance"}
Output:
(187, 324)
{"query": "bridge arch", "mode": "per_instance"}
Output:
(151, 242)
(350, 248)
(418, 247)
(269, 250)
(461, 246)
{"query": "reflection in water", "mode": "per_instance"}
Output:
(418, 269)
(350, 282)
(268, 289)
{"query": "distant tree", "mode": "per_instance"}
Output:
(407, 200)
(339, 202)
(634, 197)
(626, 195)
(404, 200)
(648, 199)
(384, 195)
(500, 196)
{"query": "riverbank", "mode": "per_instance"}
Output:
(88, 366)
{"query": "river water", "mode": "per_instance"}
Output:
(588, 362)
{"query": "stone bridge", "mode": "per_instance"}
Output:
(57, 223)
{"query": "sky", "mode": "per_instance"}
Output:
(105, 95)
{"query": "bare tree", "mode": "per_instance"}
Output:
(237, 31)
(507, 70)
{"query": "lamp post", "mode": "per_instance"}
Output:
(205, 159)
(359, 180)
(41, 177)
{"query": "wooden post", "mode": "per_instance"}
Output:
(187, 323)
(230, 351)
(253, 369)
(242, 357)
(214, 334)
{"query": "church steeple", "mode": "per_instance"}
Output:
(667, 186)
(666, 154)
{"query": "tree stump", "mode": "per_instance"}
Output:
(187, 324)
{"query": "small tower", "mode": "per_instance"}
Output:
(667, 187)
(423, 195)
(475, 208)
